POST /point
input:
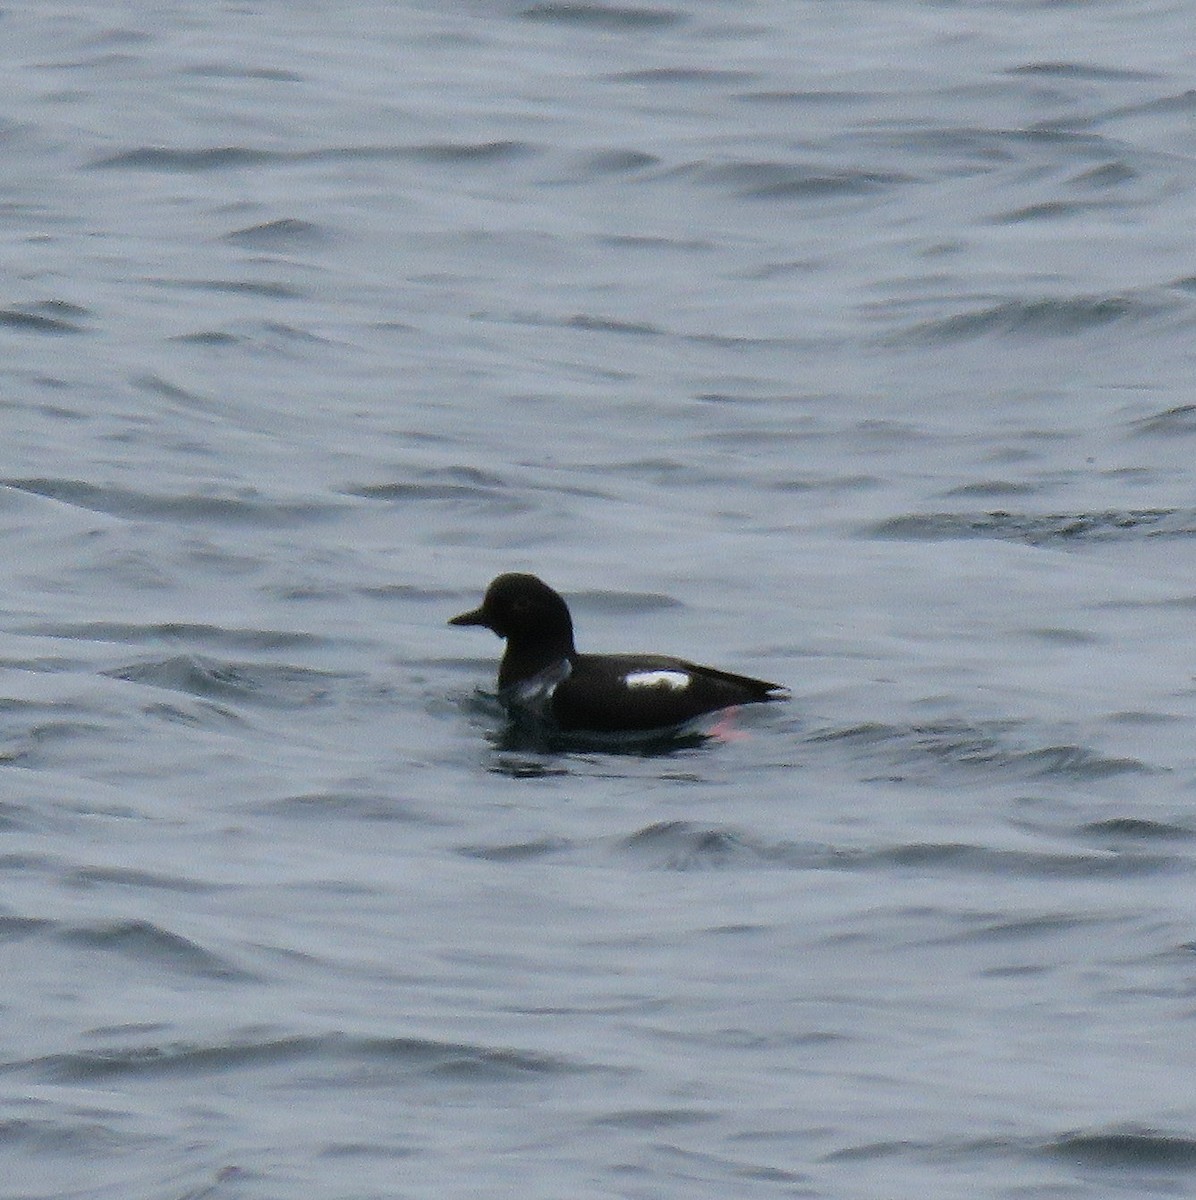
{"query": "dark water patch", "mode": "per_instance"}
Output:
(118, 36)
(1135, 716)
(1136, 829)
(208, 337)
(1130, 1149)
(408, 592)
(618, 162)
(471, 152)
(13, 816)
(990, 488)
(1060, 317)
(518, 851)
(831, 483)
(221, 158)
(987, 748)
(172, 1061)
(265, 684)
(686, 845)
(210, 158)
(38, 864)
(267, 289)
(71, 1136)
(873, 1151)
(640, 241)
(521, 766)
(789, 181)
(225, 71)
(16, 929)
(158, 386)
(1180, 420)
(989, 927)
(287, 233)
(42, 318)
(88, 877)
(606, 17)
(348, 805)
(624, 603)
(592, 324)
(181, 633)
(202, 715)
(1082, 71)
(494, 498)
(1042, 530)
(1048, 210)
(376, 1057)
(1108, 175)
(249, 509)
(147, 943)
(795, 96)
(1055, 636)
(365, 1151)
(1180, 103)
(26, 749)
(1187, 283)
(649, 1120)
(683, 75)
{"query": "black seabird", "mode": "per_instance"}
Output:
(543, 676)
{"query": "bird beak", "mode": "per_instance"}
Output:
(476, 617)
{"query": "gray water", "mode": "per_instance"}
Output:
(850, 345)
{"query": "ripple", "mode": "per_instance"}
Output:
(612, 325)
(191, 634)
(149, 943)
(220, 158)
(127, 877)
(1049, 210)
(683, 75)
(266, 684)
(125, 502)
(652, 1119)
(1074, 70)
(15, 929)
(353, 806)
(270, 290)
(796, 181)
(518, 851)
(1057, 317)
(616, 19)
(1044, 529)
(226, 71)
(496, 498)
(1171, 422)
(688, 845)
(1030, 864)
(619, 162)
(471, 152)
(285, 233)
(68, 1137)
(40, 319)
(407, 1056)
(210, 158)
(985, 749)
(1137, 829)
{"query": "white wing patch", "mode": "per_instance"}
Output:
(676, 681)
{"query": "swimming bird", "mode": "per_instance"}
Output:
(543, 676)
